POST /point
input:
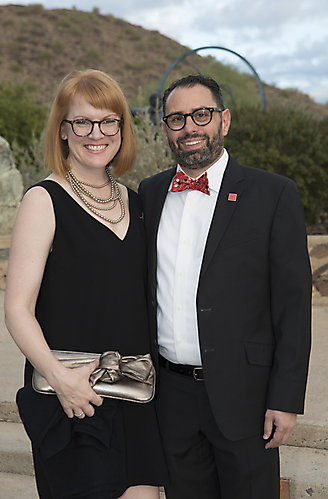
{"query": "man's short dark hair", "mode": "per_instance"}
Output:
(192, 81)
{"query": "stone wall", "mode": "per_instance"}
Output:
(11, 188)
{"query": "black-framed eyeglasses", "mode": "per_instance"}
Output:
(201, 117)
(82, 127)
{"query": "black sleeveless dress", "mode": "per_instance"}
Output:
(93, 298)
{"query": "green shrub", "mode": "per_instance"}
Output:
(63, 22)
(24, 26)
(9, 21)
(93, 54)
(76, 31)
(37, 23)
(142, 99)
(136, 66)
(13, 47)
(133, 33)
(58, 45)
(15, 67)
(77, 16)
(155, 40)
(95, 18)
(238, 88)
(119, 21)
(153, 153)
(29, 161)
(128, 31)
(19, 114)
(280, 140)
(286, 142)
(21, 123)
(47, 54)
(141, 45)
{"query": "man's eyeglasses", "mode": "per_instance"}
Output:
(201, 117)
(83, 127)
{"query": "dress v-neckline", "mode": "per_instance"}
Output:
(94, 218)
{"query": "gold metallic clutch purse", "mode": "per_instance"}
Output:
(129, 378)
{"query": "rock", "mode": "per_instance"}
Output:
(322, 286)
(320, 271)
(6, 156)
(3, 273)
(320, 251)
(4, 254)
(11, 188)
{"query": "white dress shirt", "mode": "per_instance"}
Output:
(181, 240)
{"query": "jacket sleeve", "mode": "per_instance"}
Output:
(291, 288)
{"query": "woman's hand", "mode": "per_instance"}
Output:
(74, 391)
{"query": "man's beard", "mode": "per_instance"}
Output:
(198, 158)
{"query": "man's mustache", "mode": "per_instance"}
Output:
(192, 136)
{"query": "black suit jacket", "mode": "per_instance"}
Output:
(253, 297)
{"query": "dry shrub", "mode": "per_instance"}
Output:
(29, 162)
(153, 153)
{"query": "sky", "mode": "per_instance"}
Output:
(284, 40)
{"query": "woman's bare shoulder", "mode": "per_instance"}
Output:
(35, 214)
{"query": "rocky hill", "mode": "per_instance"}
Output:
(41, 46)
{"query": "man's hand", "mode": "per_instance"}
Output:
(284, 423)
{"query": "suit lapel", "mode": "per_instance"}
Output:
(232, 183)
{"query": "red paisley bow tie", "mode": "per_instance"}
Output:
(181, 182)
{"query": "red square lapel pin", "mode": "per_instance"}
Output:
(232, 196)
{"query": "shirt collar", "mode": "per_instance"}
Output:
(214, 173)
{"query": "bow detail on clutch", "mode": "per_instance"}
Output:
(113, 367)
(131, 378)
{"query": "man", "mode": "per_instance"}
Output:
(230, 282)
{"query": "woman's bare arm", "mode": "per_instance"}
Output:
(31, 242)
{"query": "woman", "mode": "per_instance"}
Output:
(76, 281)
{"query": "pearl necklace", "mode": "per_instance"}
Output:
(79, 189)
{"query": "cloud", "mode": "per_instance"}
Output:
(303, 68)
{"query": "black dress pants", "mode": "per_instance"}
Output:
(202, 463)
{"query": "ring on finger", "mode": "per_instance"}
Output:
(79, 415)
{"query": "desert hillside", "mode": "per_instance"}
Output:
(41, 46)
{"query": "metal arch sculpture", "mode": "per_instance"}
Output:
(186, 54)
